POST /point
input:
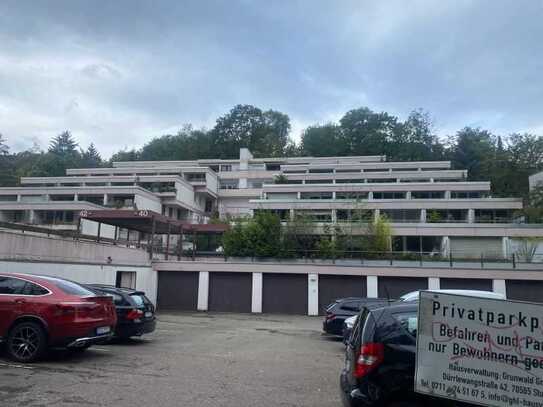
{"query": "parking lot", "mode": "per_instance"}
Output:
(191, 360)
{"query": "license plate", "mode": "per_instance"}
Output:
(148, 314)
(103, 330)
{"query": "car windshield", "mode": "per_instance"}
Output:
(69, 287)
(139, 299)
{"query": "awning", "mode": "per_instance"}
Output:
(143, 220)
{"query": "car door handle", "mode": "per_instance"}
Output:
(20, 301)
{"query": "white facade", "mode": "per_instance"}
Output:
(432, 208)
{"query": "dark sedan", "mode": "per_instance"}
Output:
(343, 308)
(135, 313)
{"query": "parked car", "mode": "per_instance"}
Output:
(380, 354)
(135, 313)
(38, 312)
(348, 324)
(343, 308)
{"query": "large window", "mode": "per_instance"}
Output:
(389, 195)
(316, 195)
(427, 195)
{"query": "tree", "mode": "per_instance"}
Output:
(280, 179)
(414, 140)
(379, 236)
(264, 133)
(125, 155)
(322, 140)
(474, 150)
(63, 144)
(91, 157)
(365, 132)
(4, 149)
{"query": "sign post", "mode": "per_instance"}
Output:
(481, 351)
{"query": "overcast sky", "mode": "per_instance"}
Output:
(120, 72)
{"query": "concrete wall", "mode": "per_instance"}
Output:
(25, 246)
(86, 273)
(143, 202)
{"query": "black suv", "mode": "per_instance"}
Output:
(135, 313)
(338, 311)
(380, 360)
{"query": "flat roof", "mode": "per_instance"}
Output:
(142, 221)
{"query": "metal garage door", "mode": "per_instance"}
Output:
(334, 287)
(177, 290)
(472, 247)
(395, 287)
(465, 284)
(525, 290)
(284, 293)
(230, 292)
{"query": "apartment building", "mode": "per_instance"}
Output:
(432, 208)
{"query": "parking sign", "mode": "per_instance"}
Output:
(481, 351)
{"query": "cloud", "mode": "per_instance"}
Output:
(119, 73)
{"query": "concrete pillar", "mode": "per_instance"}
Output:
(372, 287)
(105, 199)
(471, 215)
(32, 216)
(334, 195)
(370, 195)
(203, 290)
(423, 216)
(256, 303)
(445, 246)
(76, 197)
(334, 216)
(19, 198)
(242, 183)
(313, 294)
(499, 286)
(505, 247)
(298, 195)
(433, 283)
(376, 214)
(408, 195)
(447, 195)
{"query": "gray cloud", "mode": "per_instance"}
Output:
(118, 73)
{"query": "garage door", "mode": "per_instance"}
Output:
(284, 293)
(230, 292)
(525, 290)
(177, 290)
(466, 284)
(395, 287)
(472, 247)
(334, 287)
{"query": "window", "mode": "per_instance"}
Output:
(409, 322)
(351, 306)
(427, 195)
(126, 279)
(226, 168)
(15, 286)
(12, 286)
(389, 195)
(69, 287)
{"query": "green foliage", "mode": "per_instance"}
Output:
(504, 161)
(280, 179)
(527, 248)
(265, 133)
(259, 236)
(379, 235)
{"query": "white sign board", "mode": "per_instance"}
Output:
(480, 351)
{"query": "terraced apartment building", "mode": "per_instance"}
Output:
(432, 208)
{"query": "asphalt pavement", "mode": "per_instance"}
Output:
(195, 359)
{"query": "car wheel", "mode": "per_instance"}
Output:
(26, 342)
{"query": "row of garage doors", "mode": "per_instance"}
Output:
(287, 293)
